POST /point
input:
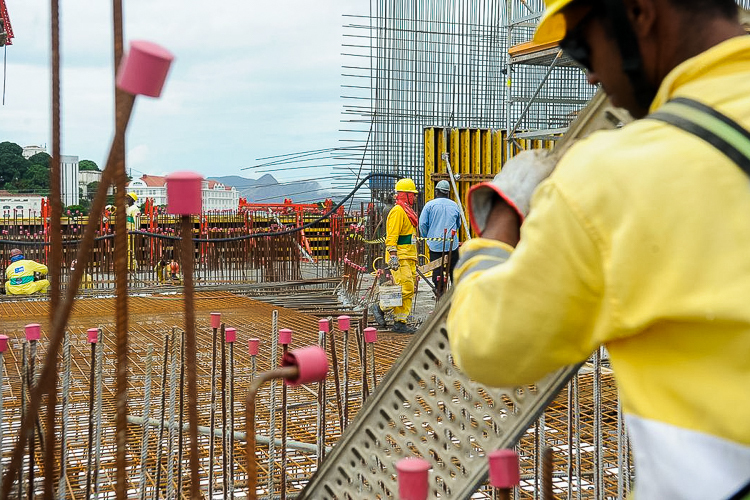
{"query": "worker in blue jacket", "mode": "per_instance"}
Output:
(439, 223)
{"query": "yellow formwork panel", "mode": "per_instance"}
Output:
(429, 162)
(476, 155)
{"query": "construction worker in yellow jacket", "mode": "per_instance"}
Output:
(24, 277)
(133, 223)
(639, 240)
(401, 253)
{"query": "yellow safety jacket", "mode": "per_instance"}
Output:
(20, 276)
(639, 240)
(132, 215)
(401, 235)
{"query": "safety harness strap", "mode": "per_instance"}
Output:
(21, 281)
(715, 128)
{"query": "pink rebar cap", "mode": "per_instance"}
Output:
(504, 468)
(311, 361)
(285, 336)
(413, 475)
(230, 334)
(3, 343)
(184, 193)
(324, 325)
(144, 69)
(215, 320)
(32, 331)
(93, 335)
(344, 322)
(371, 335)
(252, 346)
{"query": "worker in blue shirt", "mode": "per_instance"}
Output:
(441, 218)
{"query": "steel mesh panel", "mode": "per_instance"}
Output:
(426, 407)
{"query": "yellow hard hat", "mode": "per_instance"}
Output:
(406, 186)
(552, 26)
(134, 196)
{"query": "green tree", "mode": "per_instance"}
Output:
(11, 147)
(41, 159)
(37, 177)
(87, 165)
(13, 167)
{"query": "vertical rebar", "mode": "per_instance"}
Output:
(284, 416)
(146, 416)
(98, 411)
(90, 449)
(172, 402)
(230, 424)
(321, 416)
(190, 346)
(181, 418)
(32, 441)
(24, 390)
(212, 416)
(62, 489)
(224, 437)
(598, 452)
(2, 422)
(157, 483)
(346, 379)
(272, 404)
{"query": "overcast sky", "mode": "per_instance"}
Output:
(251, 79)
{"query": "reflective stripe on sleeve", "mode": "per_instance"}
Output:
(480, 259)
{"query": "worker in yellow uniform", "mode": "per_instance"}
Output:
(638, 240)
(401, 253)
(24, 277)
(133, 219)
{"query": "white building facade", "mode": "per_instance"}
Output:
(215, 196)
(20, 205)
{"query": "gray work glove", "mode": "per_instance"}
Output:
(515, 184)
(393, 262)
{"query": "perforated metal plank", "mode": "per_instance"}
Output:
(426, 407)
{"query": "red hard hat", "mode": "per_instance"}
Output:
(15, 252)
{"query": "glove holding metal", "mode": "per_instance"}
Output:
(515, 184)
(393, 262)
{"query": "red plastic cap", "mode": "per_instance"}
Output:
(93, 335)
(324, 325)
(311, 361)
(371, 335)
(253, 346)
(215, 320)
(144, 69)
(230, 334)
(285, 336)
(184, 193)
(413, 478)
(3, 344)
(504, 468)
(32, 331)
(344, 322)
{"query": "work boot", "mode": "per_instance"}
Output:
(378, 314)
(402, 327)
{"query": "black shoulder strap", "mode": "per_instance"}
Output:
(713, 127)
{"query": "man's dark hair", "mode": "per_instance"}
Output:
(441, 194)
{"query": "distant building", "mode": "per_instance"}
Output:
(215, 196)
(69, 180)
(29, 151)
(69, 176)
(20, 205)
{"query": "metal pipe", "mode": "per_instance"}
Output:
(290, 372)
(144, 427)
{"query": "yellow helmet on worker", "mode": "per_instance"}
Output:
(133, 195)
(552, 26)
(406, 186)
